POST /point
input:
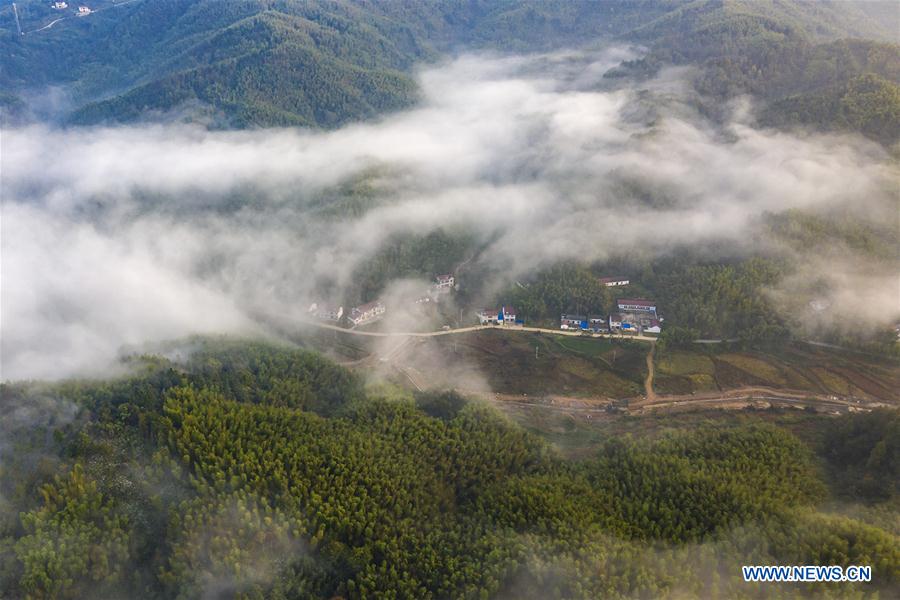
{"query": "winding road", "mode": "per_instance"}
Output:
(426, 334)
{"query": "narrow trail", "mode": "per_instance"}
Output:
(48, 25)
(648, 383)
(16, 13)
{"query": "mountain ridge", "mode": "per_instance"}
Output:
(258, 63)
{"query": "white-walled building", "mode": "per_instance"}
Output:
(366, 313)
(573, 322)
(636, 305)
(614, 281)
(326, 312)
(598, 324)
(443, 283)
(505, 315)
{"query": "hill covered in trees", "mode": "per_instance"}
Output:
(247, 470)
(264, 63)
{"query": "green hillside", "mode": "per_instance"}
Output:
(323, 63)
(255, 471)
(269, 76)
(808, 62)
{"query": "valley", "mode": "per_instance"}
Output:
(482, 299)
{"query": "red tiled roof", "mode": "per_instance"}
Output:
(636, 301)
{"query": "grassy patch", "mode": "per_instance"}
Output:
(672, 384)
(685, 363)
(757, 367)
(592, 347)
(703, 382)
(539, 364)
(833, 382)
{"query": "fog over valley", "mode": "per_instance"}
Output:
(121, 235)
(513, 299)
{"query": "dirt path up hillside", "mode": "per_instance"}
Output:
(648, 383)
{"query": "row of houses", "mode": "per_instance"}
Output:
(635, 315)
(372, 311)
(359, 315)
(585, 323)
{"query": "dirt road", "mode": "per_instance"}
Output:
(426, 334)
(738, 399)
(648, 382)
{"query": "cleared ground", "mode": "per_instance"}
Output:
(539, 364)
(797, 367)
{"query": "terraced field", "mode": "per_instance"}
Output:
(796, 367)
(537, 364)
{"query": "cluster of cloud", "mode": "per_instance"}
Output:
(116, 236)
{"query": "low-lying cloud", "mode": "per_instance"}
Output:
(131, 234)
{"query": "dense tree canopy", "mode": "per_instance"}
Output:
(203, 477)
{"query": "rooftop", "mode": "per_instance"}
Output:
(636, 301)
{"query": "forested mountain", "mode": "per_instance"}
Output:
(254, 471)
(323, 63)
(265, 62)
(191, 189)
(820, 64)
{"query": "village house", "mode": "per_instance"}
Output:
(444, 283)
(573, 322)
(508, 315)
(636, 305)
(598, 324)
(487, 316)
(326, 312)
(614, 281)
(636, 315)
(615, 321)
(366, 313)
(505, 315)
